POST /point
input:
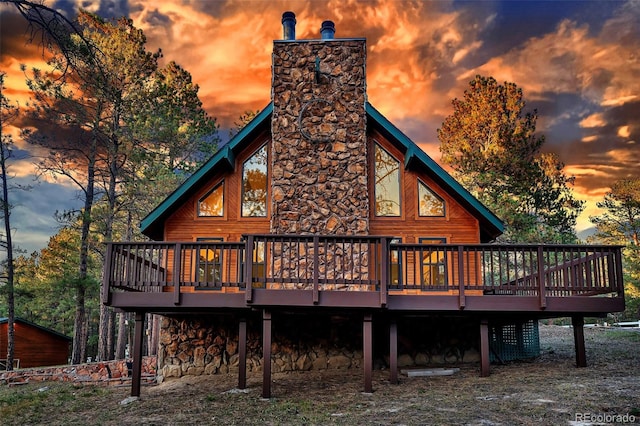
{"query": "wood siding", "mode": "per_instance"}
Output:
(185, 225)
(458, 226)
(35, 347)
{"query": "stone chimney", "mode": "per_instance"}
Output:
(318, 154)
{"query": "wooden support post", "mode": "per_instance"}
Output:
(367, 352)
(384, 270)
(578, 338)
(177, 257)
(248, 269)
(316, 270)
(542, 293)
(462, 301)
(266, 354)
(393, 352)
(106, 275)
(137, 354)
(484, 348)
(242, 354)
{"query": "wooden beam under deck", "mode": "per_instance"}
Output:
(424, 302)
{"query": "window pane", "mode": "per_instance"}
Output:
(430, 203)
(434, 271)
(210, 263)
(387, 185)
(254, 184)
(212, 204)
(396, 267)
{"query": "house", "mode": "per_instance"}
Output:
(34, 345)
(321, 221)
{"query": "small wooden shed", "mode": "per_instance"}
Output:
(35, 346)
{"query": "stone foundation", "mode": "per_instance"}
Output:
(208, 345)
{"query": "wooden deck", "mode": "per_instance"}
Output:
(363, 272)
(366, 275)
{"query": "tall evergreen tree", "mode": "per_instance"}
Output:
(125, 125)
(620, 224)
(494, 151)
(8, 112)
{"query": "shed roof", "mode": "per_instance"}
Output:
(32, 324)
(415, 158)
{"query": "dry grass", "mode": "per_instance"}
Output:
(549, 391)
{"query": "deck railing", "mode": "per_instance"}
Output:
(364, 263)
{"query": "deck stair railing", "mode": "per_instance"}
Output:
(555, 270)
(364, 263)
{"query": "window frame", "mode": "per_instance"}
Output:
(202, 267)
(395, 259)
(220, 183)
(265, 146)
(440, 265)
(377, 145)
(435, 194)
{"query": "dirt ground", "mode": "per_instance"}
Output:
(547, 391)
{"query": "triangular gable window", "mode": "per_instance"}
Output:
(212, 204)
(430, 204)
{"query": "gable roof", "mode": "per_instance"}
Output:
(152, 224)
(415, 158)
(32, 324)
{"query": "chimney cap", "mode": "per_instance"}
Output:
(289, 25)
(327, 30)
(288, 15)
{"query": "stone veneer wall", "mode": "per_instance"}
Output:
(113, 373)
(318, 153)
(207, 345)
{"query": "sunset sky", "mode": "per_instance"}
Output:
(578, 63)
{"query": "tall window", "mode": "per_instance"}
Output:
(212, 204)
(430, 204)
(254, 184)
(387, 184)
(210, 263)
(434, 265)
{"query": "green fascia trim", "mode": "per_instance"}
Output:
(223, 158)
(415, 154)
